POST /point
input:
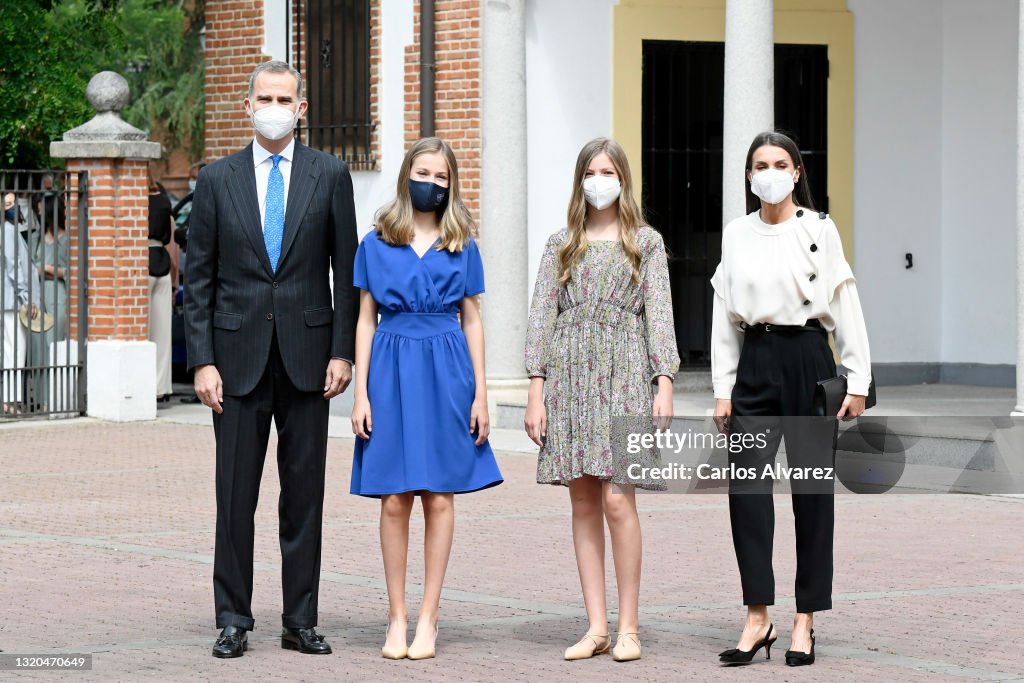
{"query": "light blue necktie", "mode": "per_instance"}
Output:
(273, 223)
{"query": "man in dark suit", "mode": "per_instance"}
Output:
(268, 225)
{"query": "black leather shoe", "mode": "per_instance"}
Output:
(305, 640)
(232, 642)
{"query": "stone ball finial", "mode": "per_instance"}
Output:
(108, 91)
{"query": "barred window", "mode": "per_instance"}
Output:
(336, 47)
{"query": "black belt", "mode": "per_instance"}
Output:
(813, 325)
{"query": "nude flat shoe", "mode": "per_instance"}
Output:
(591, 644)
(627, 647)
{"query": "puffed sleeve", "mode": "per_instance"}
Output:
(850, 331)
(359, 278)
(543, 310)
(726, 339)
(659, 324)
(474, 270)
(839, 271)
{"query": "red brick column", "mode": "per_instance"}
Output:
(118, 288)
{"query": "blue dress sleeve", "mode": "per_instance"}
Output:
(474, 270)
(359, 268)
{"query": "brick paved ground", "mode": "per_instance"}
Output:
(106, 540)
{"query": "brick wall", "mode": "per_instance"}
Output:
(457, 88)
(234, 47)
(234, 40)
(118, 284)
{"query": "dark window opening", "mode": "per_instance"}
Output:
(336, 64)
(682, 161)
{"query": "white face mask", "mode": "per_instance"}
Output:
(274, 122)
(772, 185)
(192, 185)
(601, 191)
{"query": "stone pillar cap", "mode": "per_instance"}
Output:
(106, 135)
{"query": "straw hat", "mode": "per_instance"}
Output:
(42, 323)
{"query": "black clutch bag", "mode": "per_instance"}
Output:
(830, 394)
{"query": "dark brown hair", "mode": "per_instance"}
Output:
(774, 138)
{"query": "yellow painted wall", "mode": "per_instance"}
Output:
(814, 22)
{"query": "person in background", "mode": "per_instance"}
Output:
(183, 210)
(19, 286)
(51, 257)
(161, 296)
(50, 205)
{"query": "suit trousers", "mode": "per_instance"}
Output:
(774, 396)
(242, 433)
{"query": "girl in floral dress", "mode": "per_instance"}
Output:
(601, 349)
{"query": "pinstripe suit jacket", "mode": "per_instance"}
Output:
(234, 300)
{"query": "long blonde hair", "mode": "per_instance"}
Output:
(631, 217)
(393, 221)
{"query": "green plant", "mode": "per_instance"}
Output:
(49, 49)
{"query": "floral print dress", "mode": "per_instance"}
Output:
(600, 342)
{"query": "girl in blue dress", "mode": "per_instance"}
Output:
(420, 407)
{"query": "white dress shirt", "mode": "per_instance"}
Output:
(786, 274)
(263, 163)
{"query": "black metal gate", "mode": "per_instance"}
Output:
(333, 53)
(43, 278)
(682, 160)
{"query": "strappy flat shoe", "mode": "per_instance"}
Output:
(400, 652)
(798, 658)
(423, 653)
(736, 656)
(591, 644)
(627, 647)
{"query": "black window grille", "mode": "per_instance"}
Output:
(334, 43)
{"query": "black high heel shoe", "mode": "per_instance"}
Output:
(737, 656)
(797, 658)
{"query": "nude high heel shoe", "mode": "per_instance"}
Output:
(425, 653)
(386, 652)
(591, 644)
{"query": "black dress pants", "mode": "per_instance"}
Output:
(775, 384)
(242, 433)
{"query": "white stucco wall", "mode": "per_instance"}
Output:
(275, 29)
(934, 140)
(979, 168)
(374, 188)
(897, 176)
(568, 102)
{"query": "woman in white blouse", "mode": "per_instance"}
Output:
(783, 285)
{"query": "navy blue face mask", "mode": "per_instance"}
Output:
(11, 214)
(427, 196)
